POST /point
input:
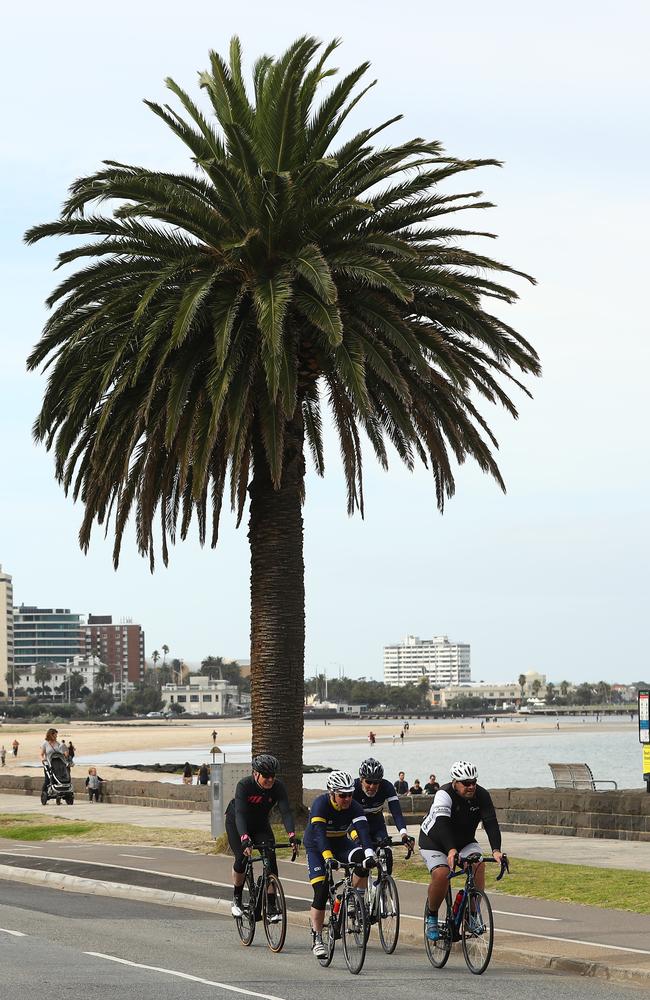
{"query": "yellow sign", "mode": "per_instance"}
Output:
(646, 759)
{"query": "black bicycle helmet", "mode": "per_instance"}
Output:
(266, 764)
(371, 770)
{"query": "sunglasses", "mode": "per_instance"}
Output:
(373, 784)
(469, 783)
(344, 795)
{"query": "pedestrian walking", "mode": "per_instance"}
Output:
(14, 747)
(71, 751)
(203, 776)
(401, 736)
(214, 735)
(187, 773)
(3, 755)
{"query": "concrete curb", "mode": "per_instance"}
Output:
(408, 934)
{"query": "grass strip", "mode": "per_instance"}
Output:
(608, 888)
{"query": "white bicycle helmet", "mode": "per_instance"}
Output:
(462, 770)
(340, 781)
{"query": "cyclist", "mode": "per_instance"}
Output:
(371, 791)
(448, 833)
(247, 822)
(327, 843)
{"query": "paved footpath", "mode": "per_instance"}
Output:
(588, 940)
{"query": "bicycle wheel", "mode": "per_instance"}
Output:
(246, 923)
(388, 914)
(275, 919)
(439, 951)
(477, 932)
(329, 935)
(354, 925)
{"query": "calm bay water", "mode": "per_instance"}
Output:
(506, 754)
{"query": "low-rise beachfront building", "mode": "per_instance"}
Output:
(87, 666)
(496, 695)
(202, 695)
(441, 661)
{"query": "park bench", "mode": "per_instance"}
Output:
(577, 776)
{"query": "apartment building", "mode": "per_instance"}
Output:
(441, 661)
(6, 632)
(46, 635)
(119, 646)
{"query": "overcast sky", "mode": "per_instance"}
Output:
(553, 576)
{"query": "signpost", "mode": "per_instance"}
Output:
(644, 734)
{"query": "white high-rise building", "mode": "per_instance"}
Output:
(6, 631)
(442, 661)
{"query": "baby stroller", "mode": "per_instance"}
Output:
(57, 775)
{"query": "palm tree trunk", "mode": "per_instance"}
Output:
(278, 607)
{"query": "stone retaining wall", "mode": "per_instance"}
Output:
(162, 794)
(618, 815)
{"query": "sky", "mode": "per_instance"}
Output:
(552, 576)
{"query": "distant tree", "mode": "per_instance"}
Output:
(176, 709)
(522, 684)
(76, 683)
(144, 698)
(603, 692)
(103, 677)
(583, 695)
(155, 656)
(177, 670)
(536, 687)
(165, 674)
(564, 688)
(99, 701)
(42, 677)
(212, 666)
(550, 692)
(165, 650)
(423, 692)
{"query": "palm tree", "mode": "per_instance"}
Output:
(220, 311)
(42, 677)
(521, 681)
(165, 650)
(155, 656)
(103, 676)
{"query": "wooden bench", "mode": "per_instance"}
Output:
(577, 776)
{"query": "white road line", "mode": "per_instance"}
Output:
(528, 916)
(142, 857)
(183, 975)
(587, 944)
(5, 930)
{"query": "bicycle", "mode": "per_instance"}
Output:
(255, 899)
(382, 897)
(345, 919)
(468, 919)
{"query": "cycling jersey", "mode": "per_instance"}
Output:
(452, 820)
(373, 807)
(328, 822)
(252, 804)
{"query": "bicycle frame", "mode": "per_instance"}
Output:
(264, 852)
(466, 868)
(374, 891)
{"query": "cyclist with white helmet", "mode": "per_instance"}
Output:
(448, 833)
(327, 843)
(247, 821)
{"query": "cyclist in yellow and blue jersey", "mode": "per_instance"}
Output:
(326, 843)
(373, 792)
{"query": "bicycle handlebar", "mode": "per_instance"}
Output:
(474, 859)
(410, 845)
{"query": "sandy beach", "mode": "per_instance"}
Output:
(105, 737)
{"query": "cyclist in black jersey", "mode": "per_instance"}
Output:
(372, 791)
(448, 833)
(247, 821)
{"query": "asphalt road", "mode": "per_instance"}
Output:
(585, 932)
(103, 948)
